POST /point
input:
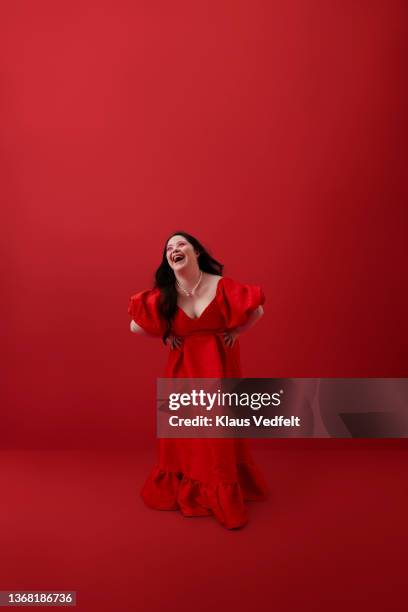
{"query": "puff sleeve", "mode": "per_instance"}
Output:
(143, 309)
(237, 301)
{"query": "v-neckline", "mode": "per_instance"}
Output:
(206, 308)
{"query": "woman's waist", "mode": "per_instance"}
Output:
(196, 334)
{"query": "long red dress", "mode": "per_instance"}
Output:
(208, 476)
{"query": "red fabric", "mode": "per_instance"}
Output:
(204, 476)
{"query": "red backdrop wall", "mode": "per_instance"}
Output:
(274, 131)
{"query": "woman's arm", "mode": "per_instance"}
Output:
(253, 318)
(231, 335)
(172, 341)
(136, 329)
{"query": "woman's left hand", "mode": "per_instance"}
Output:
(229, 337)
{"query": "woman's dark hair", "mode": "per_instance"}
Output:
(165, 278)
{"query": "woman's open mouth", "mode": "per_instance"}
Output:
(178, 257)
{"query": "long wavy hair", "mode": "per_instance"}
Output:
(165, 279)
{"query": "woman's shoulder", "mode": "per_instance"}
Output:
(231, 283)
(150, 295)
(143, 308)
(211, 279)
(237, 300)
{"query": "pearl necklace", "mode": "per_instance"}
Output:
(190, 292)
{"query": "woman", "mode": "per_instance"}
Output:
(200, 314)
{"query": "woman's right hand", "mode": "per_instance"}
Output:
(174, 342)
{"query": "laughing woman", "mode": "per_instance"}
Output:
(200, 315)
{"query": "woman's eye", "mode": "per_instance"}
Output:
(170, 248)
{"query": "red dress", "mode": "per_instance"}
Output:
(208, 476)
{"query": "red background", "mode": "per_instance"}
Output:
(276, 133)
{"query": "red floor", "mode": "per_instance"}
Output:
(333, 536)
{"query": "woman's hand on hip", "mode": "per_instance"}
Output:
(174, 342)
(229, 337)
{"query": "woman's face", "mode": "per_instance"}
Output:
(180, 253)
